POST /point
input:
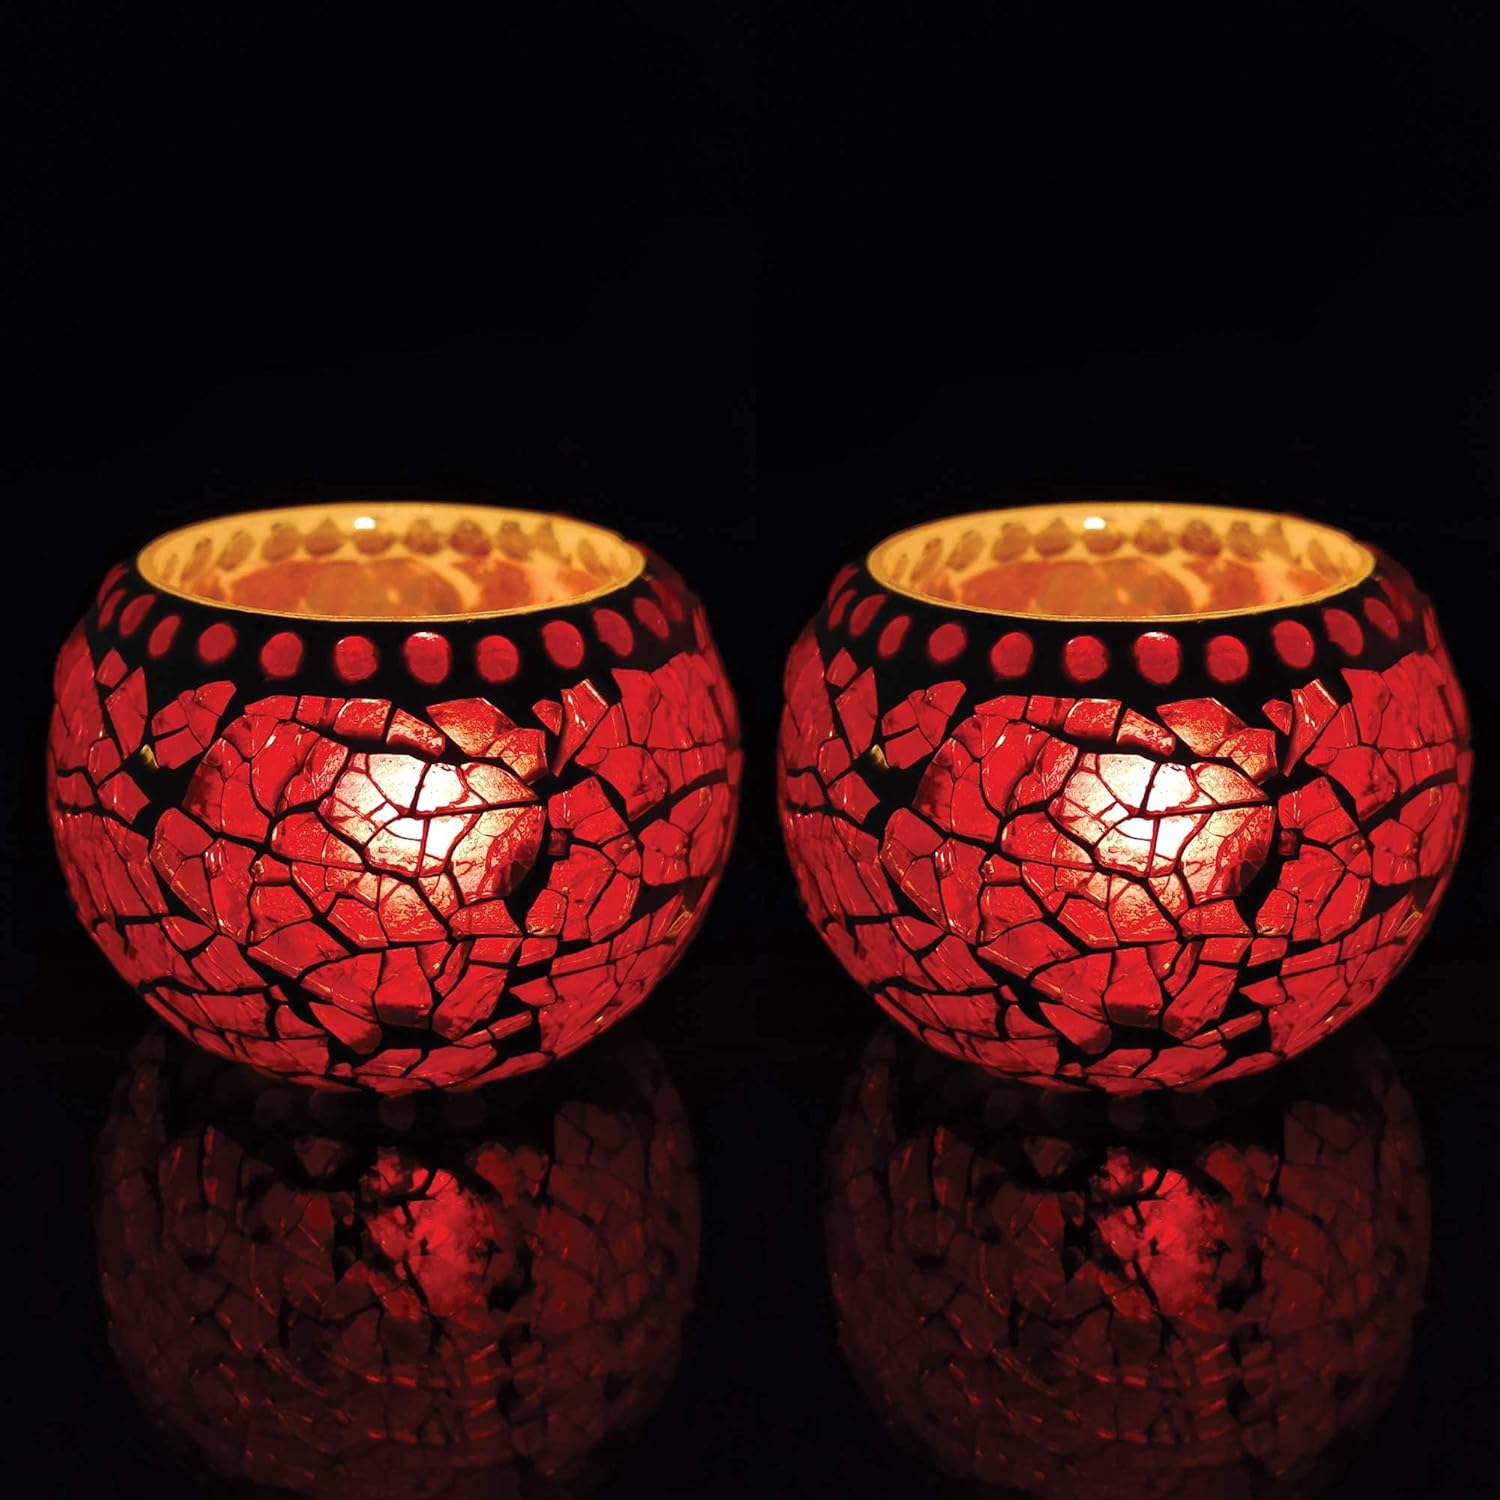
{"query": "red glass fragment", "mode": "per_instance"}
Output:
(216, 643)
(1158, 656)
(1011, 655)
(1293, 642)
(281, 656)
(428, 656)
(111, 578)
(496, 658)
(1226, 658)
(1343, 630)
(1378, 613)
(947, 642)
(134, 612)
(1085, 657)
(650, 615)
(110, 606)
(563, 642)
(163, 633)
(892, 634)
(355, 658)
(614, 630)
(863, 614)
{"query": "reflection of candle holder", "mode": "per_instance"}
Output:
(317, 1298)
(1070, 1312)
(398, 795)
(1124, 796)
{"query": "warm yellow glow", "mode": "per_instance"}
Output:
(1120, 560)
(390, 560)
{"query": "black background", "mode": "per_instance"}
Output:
(756, 289)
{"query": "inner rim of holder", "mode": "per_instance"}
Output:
(390, 560)
(1120, 560)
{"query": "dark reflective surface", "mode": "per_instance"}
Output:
(446, 1297)
(1054, 1304)
(305, 1295)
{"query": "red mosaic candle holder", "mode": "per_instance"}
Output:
(1123, 795)
(392, 795)
(1066, 1310)
(313, 1302)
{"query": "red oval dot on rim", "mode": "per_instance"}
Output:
(840, 578)
(836, 611)
(1158, 657)
(1226, 658)
(946, 642)
(862, 616)
(1085, 657)
(1293, 642)
(110, 605)
(428, 656)
(496, 658)
(1401, 601)
(563, 642)
(1343, 630)
(670, 599)
(119, 570)
(888, 643)
(1012, 654)
(355, 658)
(163, 633)
(281, 656)
(217, 642)
(648, 612)
(134, 612)
(614, 630)
(1378, 613)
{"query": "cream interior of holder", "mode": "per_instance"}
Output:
(398, 560)
(1128, 560)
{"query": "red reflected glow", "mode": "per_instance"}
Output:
(325, 1305)
(1071, 1311)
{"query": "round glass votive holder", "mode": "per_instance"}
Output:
(1122, 795)
(393, 795)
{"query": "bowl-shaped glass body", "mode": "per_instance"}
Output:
(1214, 1314)
(392, 795)
(314, 1300)
(1122, 795)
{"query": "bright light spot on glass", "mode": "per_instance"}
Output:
(1090, 523)
(367, 523)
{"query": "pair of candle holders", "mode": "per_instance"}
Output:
(1116, 796)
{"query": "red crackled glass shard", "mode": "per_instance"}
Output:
(1172, 878)
(1052, 1306)
(324, 1305)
